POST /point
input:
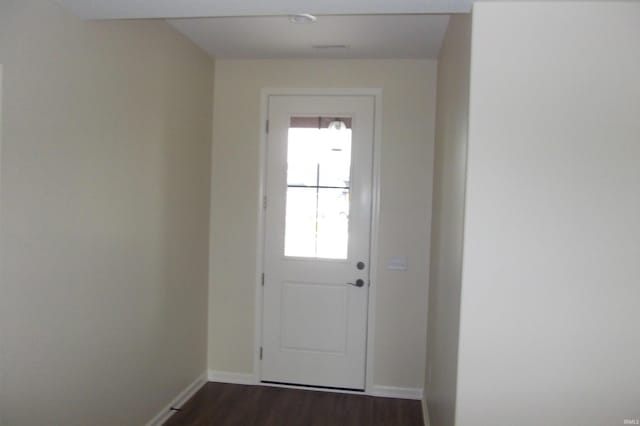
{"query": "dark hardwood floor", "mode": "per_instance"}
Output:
(222, 404)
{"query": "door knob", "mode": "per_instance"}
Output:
(358, 283)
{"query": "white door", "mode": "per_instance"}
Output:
(317, 238)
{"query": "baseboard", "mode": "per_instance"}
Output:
(395, 392)
(178, 401)
(235, 378)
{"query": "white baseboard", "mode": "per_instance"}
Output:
(395, 392)
(182, 397)
(235, 378)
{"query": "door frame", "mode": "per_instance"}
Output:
(376, 93)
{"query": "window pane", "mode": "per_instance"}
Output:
(335, 159)
(300, 228)
(302, 157)
(333, 224)
(319, 157)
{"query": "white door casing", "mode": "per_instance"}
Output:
(314, 324)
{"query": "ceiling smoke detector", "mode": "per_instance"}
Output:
(302, 18)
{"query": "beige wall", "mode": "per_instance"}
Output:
(447, 226)
(407, 144)
(105, 192)
(549, 332)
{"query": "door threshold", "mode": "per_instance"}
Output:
(312, 387)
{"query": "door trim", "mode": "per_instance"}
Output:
(376, 93)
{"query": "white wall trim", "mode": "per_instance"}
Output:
(178, 401)
(2, 309)
(234, 378)
(375, 216)
(396, 392)
(262, 176)
(375, 238)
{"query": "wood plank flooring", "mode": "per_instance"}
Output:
(221, 404)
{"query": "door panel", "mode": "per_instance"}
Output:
(305, 323)
(317, 229)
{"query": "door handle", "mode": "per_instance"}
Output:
(358, 283)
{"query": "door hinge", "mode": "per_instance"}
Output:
(263, 280)
(266, 127)
(264, 202)
(260, 352)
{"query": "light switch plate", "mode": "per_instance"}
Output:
(397, 263)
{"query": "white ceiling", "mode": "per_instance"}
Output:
(260, 29)
(368, 36)
(114, 9)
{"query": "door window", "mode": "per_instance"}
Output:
(318, 187)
